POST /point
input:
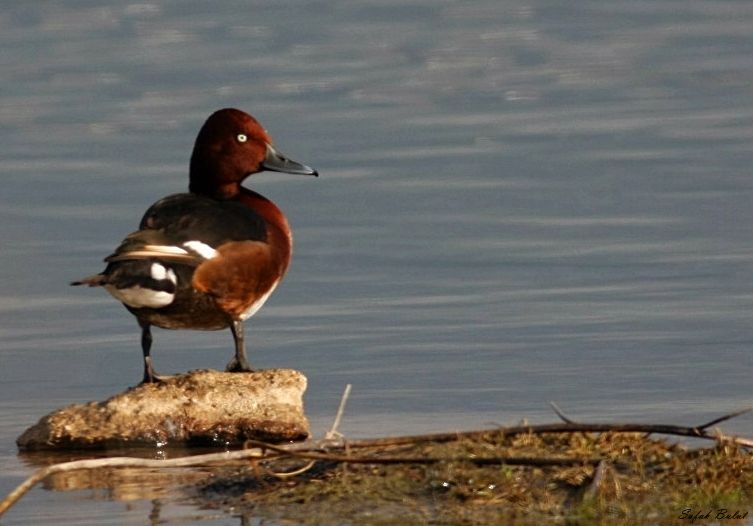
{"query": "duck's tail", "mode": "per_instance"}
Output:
(97, 280)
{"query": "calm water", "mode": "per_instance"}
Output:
(519, 202)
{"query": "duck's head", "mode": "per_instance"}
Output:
(231, 146)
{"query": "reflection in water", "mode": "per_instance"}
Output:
(121, 484)
(163, 488)
(125, 484)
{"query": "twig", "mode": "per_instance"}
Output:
(560, 413)
(333, 433)
(482, 461)
(725, 418)
(290, 474)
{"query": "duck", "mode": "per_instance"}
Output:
(210, 258)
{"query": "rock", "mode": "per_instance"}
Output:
(201, 407)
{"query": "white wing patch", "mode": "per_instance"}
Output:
(159, 272)
(201, 249)
(138, 297)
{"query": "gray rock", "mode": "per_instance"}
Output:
(201, 407)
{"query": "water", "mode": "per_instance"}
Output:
(519, 202)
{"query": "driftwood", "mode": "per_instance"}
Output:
(333, 448)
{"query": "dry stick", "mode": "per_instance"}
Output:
(560, 413)
(662, 429)
(726, 417)
(703, 427)
(481, 461)
(282, 475)
(737, 441)
(333, 433)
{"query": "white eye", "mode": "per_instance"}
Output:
(242, 137)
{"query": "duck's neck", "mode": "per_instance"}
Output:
(220, 192)
(215, 180)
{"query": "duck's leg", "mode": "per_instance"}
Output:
(239, 363)
(150, 376)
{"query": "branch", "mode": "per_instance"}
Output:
(566, 427)
(480, 461)
(560, 413)
(725, 418)
(333, 433)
